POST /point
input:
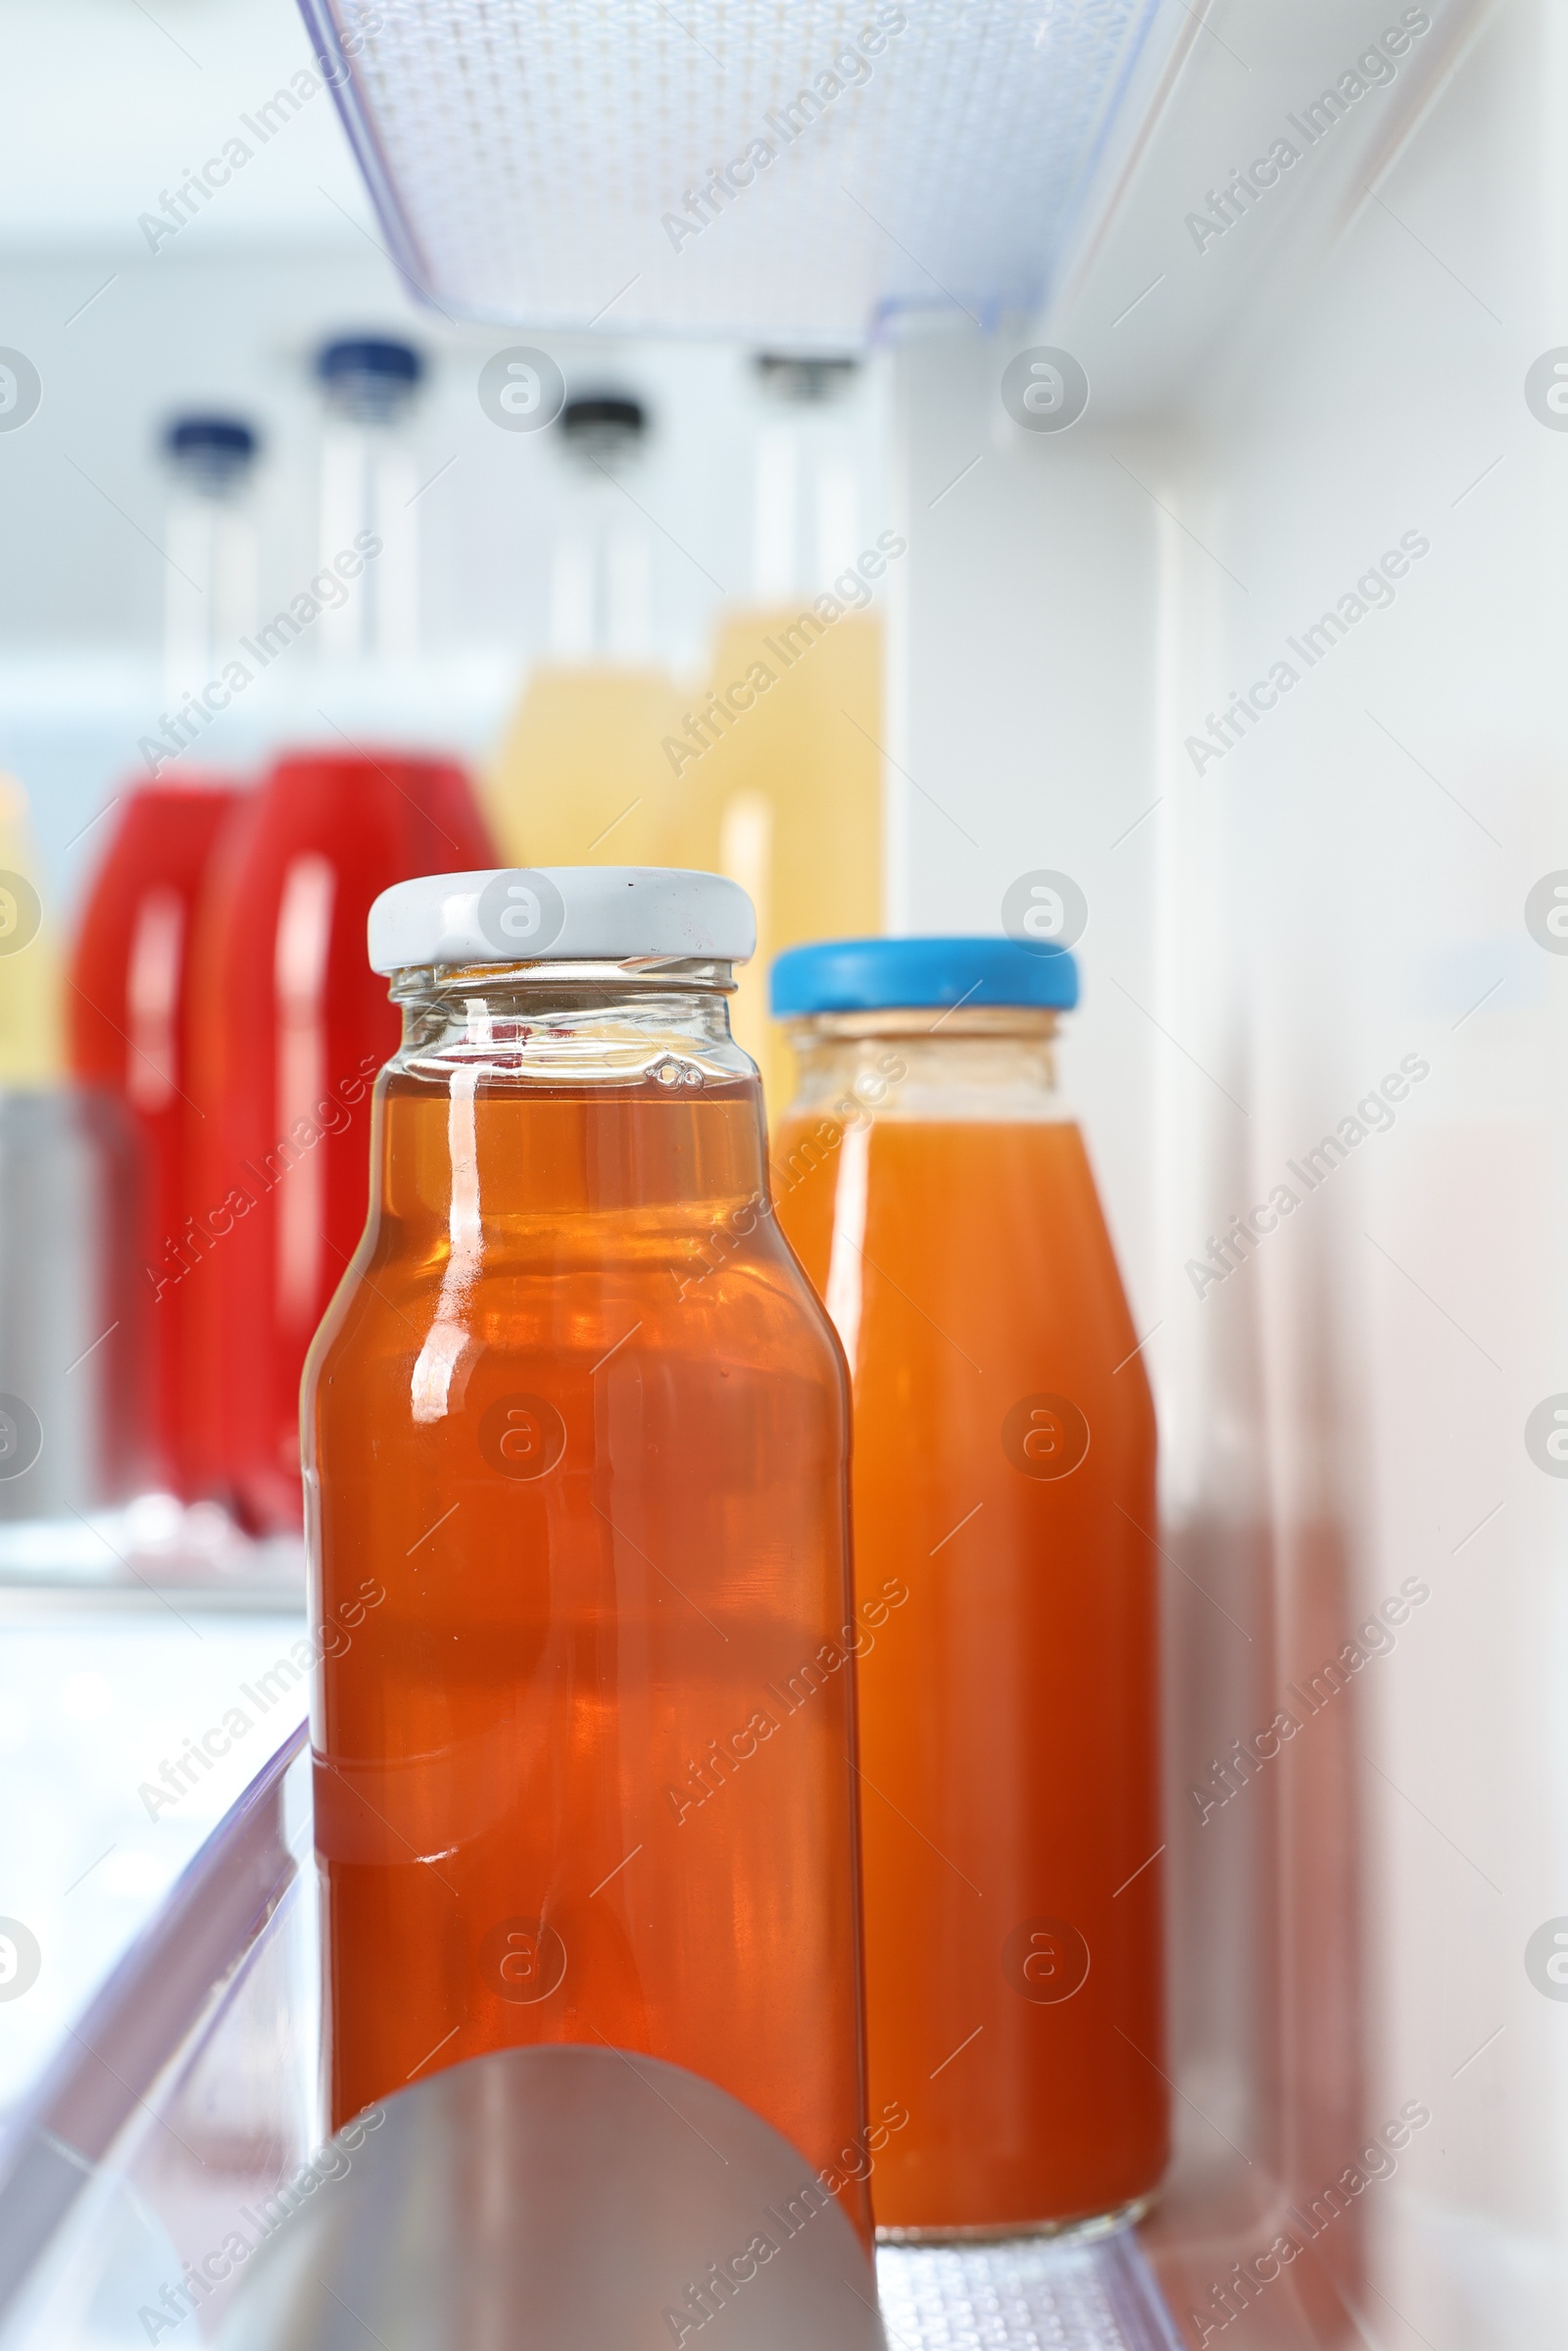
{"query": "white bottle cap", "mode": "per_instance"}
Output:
(562, 914)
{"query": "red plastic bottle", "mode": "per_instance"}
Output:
(293, 1028)
(131, 1019)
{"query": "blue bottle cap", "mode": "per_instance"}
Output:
(213, 451)
(369, 376)
(875, 975)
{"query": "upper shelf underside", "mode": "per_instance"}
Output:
(784, 171)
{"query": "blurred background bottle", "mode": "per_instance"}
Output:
(291, 1031)
(133, 1022)
(130, 1012)
(29, 957)
(73, 1310)
(785, 782)
(288, 1029)
(582, 776)
(72, 1325)
(369, 384)
(210, 579)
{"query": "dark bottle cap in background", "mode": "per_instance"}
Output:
(603, 429)
(805, 379)
(213, 453)
(370, 377)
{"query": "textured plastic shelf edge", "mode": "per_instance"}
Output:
(731, 167)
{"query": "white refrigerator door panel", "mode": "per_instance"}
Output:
(1269, 664)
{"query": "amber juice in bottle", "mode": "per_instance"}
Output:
(575, 1435)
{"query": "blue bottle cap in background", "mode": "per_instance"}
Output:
(874, 975)
(214, 451)
(369, 376)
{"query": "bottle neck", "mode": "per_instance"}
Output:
(988, 1063)
(601, 583)
(806, 526)
(369, 540)
(541, 1100)
(590, 1023)
(210, 591)
(522, 1099)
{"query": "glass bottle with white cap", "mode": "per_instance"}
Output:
(940, 1195)
(575, 1439)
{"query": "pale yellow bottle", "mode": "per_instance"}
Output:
(781, 759)
(582, 776)
(31, 974)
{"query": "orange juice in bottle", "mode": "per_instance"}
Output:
(575, 1433)
(940, 1195)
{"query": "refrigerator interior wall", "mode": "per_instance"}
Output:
(1276, 927)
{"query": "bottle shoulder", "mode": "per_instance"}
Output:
(684, 1293)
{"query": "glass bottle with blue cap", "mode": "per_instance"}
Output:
(940, 1195)
(210, 579)
(370, 492)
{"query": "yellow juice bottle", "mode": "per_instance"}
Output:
(780, 760)
(30, 969)
(581, 777)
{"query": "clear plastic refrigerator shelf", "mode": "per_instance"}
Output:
(786, 170)
(187, 2096)
(150, 1545)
